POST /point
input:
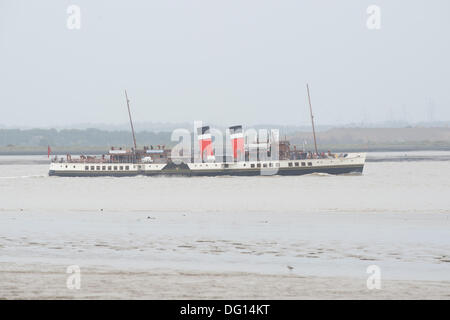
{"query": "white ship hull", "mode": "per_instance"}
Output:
(351, 163)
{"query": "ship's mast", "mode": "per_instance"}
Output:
(131, 121)
(312, 119)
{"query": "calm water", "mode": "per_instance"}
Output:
(395, 215)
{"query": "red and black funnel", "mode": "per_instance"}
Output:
(204, 138)
(237, 142)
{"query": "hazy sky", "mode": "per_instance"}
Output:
(223, 61)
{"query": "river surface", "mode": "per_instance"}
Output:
(394, 216)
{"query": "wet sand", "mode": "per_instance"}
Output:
(49, 282)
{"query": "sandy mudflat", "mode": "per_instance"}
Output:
(49, 282)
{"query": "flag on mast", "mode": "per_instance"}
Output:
(49, 150)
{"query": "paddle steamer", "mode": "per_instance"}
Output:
(246, 158)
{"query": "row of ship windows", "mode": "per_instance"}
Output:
(265, 165)
(297, 164)
(290, 164)
(109, 168)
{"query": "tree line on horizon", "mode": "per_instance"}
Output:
(79, 137)
(101, 138)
